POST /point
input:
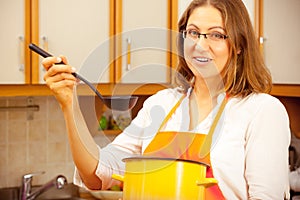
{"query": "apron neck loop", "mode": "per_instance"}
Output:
(171, 112)
(208, 139)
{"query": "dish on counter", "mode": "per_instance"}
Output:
(107, 194)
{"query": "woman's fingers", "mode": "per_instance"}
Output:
(49, 61)
(60, 85)
(61, 70)
(64, 59)
(56, 66)
(59, 77)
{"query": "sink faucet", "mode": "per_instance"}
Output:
(26, 194)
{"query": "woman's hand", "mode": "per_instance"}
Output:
(59, 79)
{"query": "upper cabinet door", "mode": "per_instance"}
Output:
(143, 41)
(12, 40)
(79, 30)
(182, 5)
(281, 41)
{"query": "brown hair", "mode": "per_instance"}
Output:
(245, 71)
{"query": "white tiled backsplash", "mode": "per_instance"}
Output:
(34, 145)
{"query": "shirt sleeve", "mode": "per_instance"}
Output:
(266, 151)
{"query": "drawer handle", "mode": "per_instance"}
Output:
(21, 54)
(128, 54)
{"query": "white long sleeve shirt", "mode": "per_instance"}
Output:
(249, 153)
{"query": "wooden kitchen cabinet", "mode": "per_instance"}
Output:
(281, 47)
(77, 29)
(80, 27)
(275, 23)
(143, 49)
(13, 38)
(71, 28)
(84, 33)
(281, 43)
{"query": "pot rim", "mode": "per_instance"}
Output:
(163, 158)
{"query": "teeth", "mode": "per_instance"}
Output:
(202, 59)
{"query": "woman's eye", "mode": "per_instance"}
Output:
(217, 35)
(193, 33)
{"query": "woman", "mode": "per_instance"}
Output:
(221, 71)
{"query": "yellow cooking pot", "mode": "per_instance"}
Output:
(164, 178)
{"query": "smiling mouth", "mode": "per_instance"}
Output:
(203, 59)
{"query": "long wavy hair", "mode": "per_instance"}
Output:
(245, 71)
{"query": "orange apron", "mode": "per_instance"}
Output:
(187, 145)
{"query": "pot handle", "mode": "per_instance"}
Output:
(207, 182)
(118, 177)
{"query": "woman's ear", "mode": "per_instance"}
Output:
(239, 51)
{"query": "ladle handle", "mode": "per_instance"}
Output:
(39, 50)
(89, 84)
(45, 54)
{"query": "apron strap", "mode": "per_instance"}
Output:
(205, 149)
(171, 112)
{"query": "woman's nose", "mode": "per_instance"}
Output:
(202, 43)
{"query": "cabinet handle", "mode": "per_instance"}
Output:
(45, 43)
(128, 53)
(21, 54)
(261, 43)
(262, 40)
(45, 46)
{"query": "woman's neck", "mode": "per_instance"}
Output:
(207, 89)
(202, 100)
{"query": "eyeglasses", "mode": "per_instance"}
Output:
(195, 35)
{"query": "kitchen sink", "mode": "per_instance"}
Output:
(69, 192)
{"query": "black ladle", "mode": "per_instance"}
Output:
(121, 103)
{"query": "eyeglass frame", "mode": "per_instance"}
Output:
(185, 32)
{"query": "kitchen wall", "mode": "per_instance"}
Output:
(33, 145)
(41, 144)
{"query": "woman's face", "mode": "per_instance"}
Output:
(206, 57)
